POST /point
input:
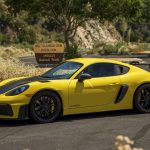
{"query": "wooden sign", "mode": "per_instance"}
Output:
(49, 53)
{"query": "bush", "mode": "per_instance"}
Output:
(119, 48)
(145, 46)
(108, 49)
(72, 52)
(1, 38)
(6, 38)
(27, 35)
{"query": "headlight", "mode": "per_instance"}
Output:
(18, 90)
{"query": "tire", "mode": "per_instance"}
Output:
(45, 107)
(141, 100)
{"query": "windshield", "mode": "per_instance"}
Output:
(63, 71)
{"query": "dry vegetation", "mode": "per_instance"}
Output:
(12, 51)
(11, 67)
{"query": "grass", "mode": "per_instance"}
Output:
(12, 51)
(11, 67)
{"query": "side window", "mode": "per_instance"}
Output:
(123, 69)
(105, 70)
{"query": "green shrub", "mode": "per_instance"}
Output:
(6, 38)
(98, 44)
(124, 50)
(72, 52)
(1, 38)
(119, 48)
(145, 46)
(108, 49)
(27, 35)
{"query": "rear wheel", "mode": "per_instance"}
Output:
(45, 107)
(142, 99)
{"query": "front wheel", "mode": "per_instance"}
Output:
(142, 99)
(45, 107)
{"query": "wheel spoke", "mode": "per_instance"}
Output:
(45, 107)
(144, 99)
(37, 108)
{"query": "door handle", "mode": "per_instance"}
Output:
(114, 84)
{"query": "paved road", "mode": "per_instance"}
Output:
(30, 60)
(77, 132)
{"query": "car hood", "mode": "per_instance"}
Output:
(15, 83)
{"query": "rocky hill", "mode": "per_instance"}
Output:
(94, 33)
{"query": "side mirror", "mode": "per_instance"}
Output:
(84, 76)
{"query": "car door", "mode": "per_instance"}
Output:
(101, 89)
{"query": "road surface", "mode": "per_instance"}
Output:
(30, 60)
(78, 132)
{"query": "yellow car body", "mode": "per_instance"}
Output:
(91, 95)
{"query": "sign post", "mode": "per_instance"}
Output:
(49, 53)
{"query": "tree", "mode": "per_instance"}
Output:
(15, 6)
(129, 35)
(123, 27)
(146, 12)
(67, 14)
(111, 9)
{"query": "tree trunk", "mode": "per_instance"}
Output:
(66, 37)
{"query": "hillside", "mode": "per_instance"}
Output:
(94, 32)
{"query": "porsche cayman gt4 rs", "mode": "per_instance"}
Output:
(76, 86)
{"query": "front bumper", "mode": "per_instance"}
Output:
(9, 112)
(14, 107)
(6, 109)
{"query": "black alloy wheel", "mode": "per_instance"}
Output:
(142, 99)
(45, 107)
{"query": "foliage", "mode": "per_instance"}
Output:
(110, 9)
(145, 46)
(31, 21)
(73, 52)
(108, 49)
(140, 32)
(139, 25)
(27, 34)
(119, 48)
(123, 27)
(67, 15)
(129, 35)
(3, 10)
(64, 16)
(145, 12)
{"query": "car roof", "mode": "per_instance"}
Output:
(88, 61)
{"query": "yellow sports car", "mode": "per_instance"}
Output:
(76, 86)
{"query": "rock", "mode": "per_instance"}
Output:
(95, 32)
